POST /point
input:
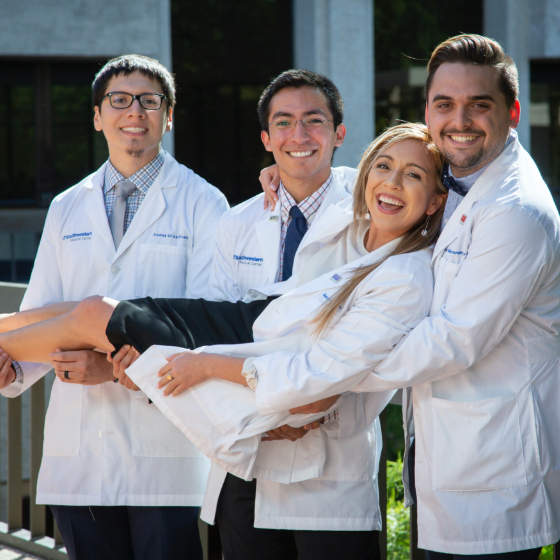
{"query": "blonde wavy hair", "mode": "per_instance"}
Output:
(413, 240)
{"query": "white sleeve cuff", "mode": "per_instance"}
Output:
(249, 372)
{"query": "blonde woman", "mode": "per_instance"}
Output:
(346, 319)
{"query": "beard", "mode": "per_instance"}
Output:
(485, 154)
(135, 153)
(464, 161)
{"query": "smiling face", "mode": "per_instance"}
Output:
(400, 191)
(468, 116)
(303, 154)
(134, 134)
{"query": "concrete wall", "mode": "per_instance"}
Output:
(507, 21)
(87, 28)
(527, 29)
(545, 29)
(335, 38)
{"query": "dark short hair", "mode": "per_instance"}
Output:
(127, 64)
(476, 49)
(299, 79)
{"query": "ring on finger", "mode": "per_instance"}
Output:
(169, 377)
(66, 376)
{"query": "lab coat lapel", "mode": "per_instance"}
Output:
(268, 231)
(153, 205)
(491, 179)
(95, 207)
(334, 219)
(335, 194)
(336, 278)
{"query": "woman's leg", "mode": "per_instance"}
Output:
(20, 319)
(80, 329)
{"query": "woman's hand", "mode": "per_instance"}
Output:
(184, 370)
(7, 372)
(270, 181)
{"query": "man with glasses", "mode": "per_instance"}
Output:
(300, 114)
(115, 471)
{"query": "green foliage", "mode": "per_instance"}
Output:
(398, 519)
(546, 553)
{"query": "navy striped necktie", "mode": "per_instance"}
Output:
(296, 230)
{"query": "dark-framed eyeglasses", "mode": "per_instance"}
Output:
(283, 123)
(123, 100)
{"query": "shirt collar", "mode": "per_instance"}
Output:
(469, 180)
(143, 178)
(308, 206)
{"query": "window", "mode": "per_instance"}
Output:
(47, 139)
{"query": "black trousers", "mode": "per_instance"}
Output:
(241, 541)
(188, 323)
(129, 532)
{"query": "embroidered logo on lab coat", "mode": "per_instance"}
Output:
(254, 261)
(84, 236)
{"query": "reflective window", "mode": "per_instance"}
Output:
(545, 122)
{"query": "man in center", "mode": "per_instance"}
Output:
(301, 115)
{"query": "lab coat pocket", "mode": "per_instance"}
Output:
(63, 420)
(153, 435)
(477, 445)
(162, 270)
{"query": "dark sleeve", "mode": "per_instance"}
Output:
(188, 323)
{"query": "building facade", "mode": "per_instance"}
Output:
(223, 54)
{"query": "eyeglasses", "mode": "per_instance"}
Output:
(122, 100)
(313, 123)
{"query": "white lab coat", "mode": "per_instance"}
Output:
(485, 368)
(327, 490)
(247, 251)
(103, 446)
(248, 256)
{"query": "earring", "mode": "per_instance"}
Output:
(425, 230)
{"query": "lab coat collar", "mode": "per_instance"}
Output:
(153, 205)
(268, 231)
(95, 206)
(150, 210)
(324, 230)
(491, 180)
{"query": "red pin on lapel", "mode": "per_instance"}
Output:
(463, 218)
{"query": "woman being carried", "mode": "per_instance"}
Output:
(349, 318)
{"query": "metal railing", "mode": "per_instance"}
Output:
(30, 527)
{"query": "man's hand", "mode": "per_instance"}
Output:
(7, 372)
(123, 359)
(85, 367)
(270, 181)
(319, 406)
(287, 432)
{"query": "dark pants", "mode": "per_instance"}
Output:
(531, 554)
(187, 323)
(241, 541)
(129, 532)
